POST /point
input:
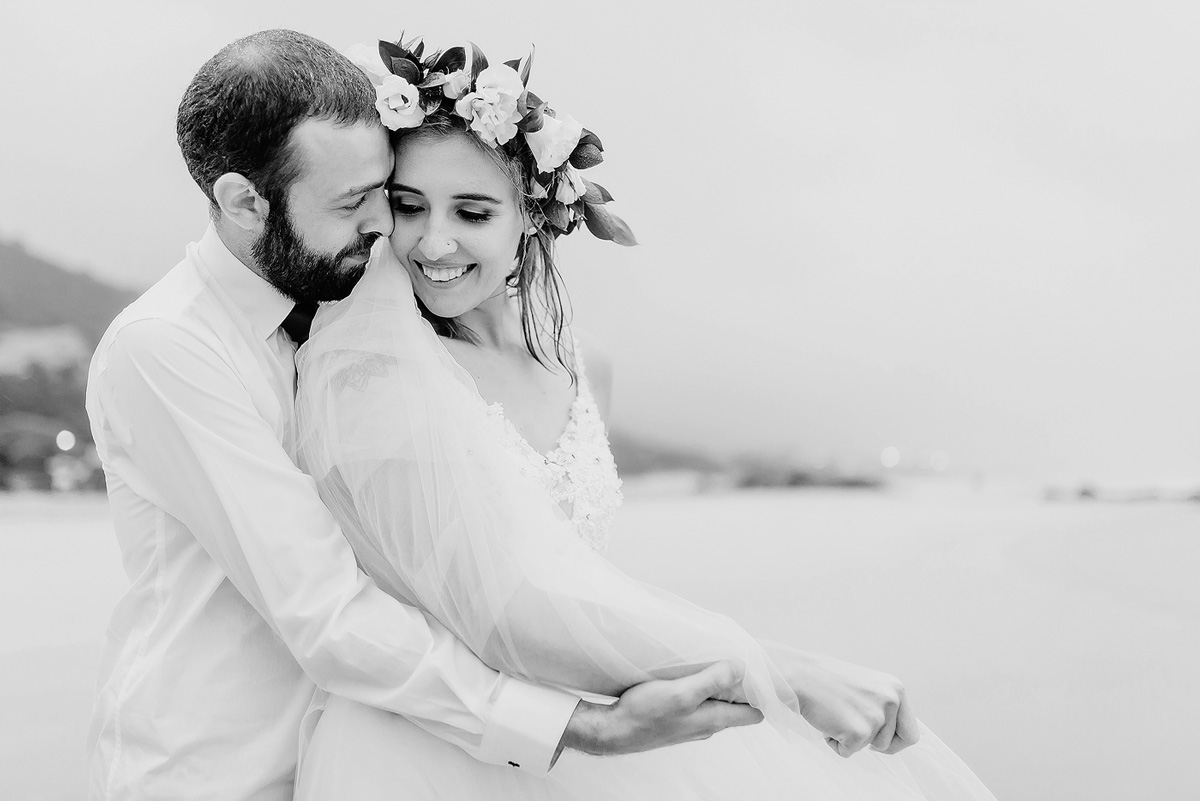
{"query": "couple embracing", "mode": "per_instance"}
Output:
(372, 567)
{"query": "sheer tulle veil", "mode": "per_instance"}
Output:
(440, 515)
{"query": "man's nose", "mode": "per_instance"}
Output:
(379, 219)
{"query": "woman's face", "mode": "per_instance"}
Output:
(458, 223)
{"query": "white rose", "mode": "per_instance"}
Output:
(369, 61)
(399, 103)
(570, 186)
(492, 107)
(456, 83)
(555, 142)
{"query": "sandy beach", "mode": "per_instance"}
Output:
(1055, 646)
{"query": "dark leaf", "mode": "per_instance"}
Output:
(532, 121)
(434, 79)
(406, 69)
(606, 225)
(450, 60)
(595, 193)
(390, 50)
(585, 155)
(533, 100)
(526, 66)
(476, 61)
(514, 64)
(589, 138)
(556, 214)
(431, 101)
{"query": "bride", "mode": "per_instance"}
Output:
(453, 422)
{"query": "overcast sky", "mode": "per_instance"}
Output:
(945, 226)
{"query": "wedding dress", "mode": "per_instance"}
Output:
(448, 508)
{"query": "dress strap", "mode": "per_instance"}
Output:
(580, 368)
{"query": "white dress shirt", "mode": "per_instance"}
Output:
(243, 591)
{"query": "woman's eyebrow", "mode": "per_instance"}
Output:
(476, 196)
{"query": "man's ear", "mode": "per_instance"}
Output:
(240, 202)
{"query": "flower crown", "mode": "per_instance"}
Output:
(504, 115)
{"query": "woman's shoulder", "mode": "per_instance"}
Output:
(597, 364)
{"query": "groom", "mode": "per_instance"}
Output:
(243, 592)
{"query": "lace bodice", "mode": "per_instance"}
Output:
(579, 473)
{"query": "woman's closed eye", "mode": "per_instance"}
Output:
(405, 208)
(475, 216)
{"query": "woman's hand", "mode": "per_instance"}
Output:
(852, 706)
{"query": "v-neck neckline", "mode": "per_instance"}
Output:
(572, 420)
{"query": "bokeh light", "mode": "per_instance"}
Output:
(65, 440)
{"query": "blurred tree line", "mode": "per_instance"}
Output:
(50, 322)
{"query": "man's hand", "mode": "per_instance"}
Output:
(852, 706)
(659, 713)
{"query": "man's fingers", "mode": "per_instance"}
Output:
(714, 680)
(719, 715)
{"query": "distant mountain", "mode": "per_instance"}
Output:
(37, 293)
(635, 455)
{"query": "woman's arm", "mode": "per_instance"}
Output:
(439, 513)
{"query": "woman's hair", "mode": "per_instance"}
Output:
(545, 307)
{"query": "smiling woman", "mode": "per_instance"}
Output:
(459, 225)
(474, 479)
(477, 197)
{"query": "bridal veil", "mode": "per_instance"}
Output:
(440, 515)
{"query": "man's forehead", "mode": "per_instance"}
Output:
(335, 156)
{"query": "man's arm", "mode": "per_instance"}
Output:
(209, 459)
(204, 454)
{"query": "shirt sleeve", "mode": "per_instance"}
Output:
(206, 456)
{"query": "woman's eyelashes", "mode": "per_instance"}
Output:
(404, 207)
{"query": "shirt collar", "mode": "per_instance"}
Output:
(262, 304)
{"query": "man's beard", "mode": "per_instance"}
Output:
(303, 274)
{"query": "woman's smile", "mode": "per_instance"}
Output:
(444, 273)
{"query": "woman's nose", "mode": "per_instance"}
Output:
(434, 246)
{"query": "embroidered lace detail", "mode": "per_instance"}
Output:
(580, 471)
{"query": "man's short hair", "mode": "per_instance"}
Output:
(240, 109)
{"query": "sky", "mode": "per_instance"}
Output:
(947, 227)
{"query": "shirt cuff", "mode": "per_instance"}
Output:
(526, 726)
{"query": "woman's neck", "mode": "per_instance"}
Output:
(496, 323)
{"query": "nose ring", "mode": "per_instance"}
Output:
(436, 248)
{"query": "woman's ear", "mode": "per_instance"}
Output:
(240, 202)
